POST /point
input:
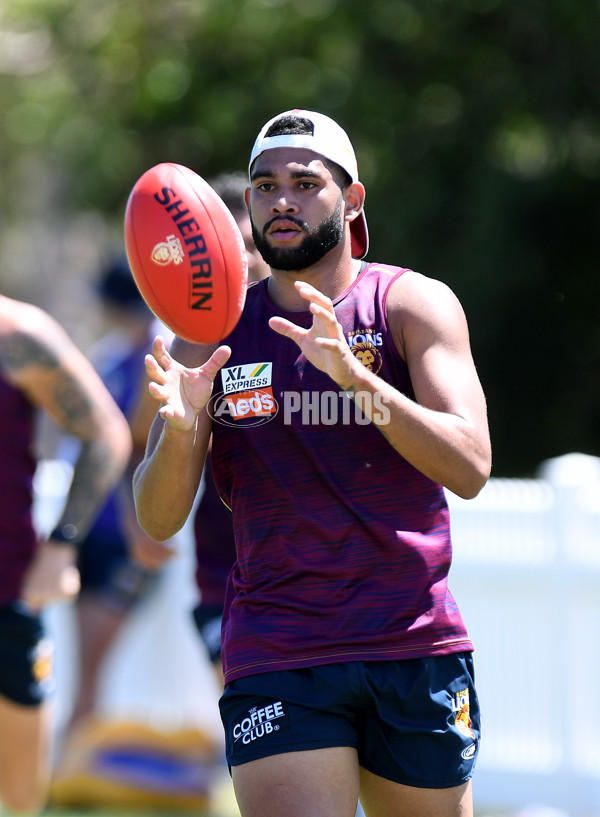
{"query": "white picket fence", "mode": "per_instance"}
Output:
(526, 576)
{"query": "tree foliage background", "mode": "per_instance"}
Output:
(476, 124)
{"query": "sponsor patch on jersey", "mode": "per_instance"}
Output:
(247, 377)
(247, 394)
(251, 403)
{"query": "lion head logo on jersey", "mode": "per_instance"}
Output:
(368, 354)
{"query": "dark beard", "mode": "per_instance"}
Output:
(315, 245)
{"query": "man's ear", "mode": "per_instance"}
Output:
(355, 200)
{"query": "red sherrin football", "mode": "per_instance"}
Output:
(186, 253)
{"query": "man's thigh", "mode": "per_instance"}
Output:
(326, 782)
(299, 784)
(384, 798)
(24, 754)
(26, 681)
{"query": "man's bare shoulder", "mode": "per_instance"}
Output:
(418, 305)
(413, 290)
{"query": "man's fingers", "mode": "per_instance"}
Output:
(287, 328)
(160, 393)
(325, 314)
(154, 370)
(166, 412)
(218, 359)
(313, 295)
(328, 344)
(159, 348)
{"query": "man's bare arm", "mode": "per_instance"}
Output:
(39, 358)
(443, 432)
(166, 481)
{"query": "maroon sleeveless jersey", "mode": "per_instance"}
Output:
(343, 547)
(17, 466)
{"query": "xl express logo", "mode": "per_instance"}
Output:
(247, 395)
(245, 377)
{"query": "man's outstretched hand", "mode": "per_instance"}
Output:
(324, 343)
(182, 392)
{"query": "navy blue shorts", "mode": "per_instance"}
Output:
(414, 721)
(208, 622)
(26, 656)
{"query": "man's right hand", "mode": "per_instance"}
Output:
(183, 392)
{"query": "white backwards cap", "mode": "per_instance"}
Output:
(329, 140)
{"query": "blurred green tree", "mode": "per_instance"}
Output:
(476, 123)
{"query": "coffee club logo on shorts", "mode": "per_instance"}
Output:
(248, 396)
(259, 722)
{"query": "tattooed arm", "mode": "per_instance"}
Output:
(38, 357)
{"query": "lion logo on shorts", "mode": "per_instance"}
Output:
(42, 666)
(462, 713)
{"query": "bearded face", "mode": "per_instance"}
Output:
(315, 244)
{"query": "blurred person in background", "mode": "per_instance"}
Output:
(42, 371)
(115, 569)
(231, 187)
